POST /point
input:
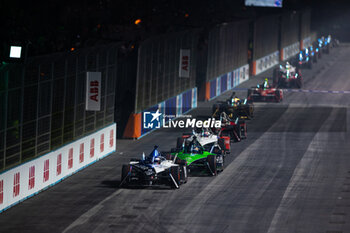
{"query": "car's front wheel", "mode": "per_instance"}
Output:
(212, 164)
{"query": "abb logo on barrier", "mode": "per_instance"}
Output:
(81, 153)
(93, 91)
(111, 138)
(1, 191)
(102, 142)
(31, 181)
(46, 170)
(59, 164)
(184, 69)
(185, 61)
(70, 158)
(16, 184)
(92, 147)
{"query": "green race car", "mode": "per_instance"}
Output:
(197, 158)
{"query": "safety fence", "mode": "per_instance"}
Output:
(28, 179)
(166, 67)
(43, 102)
(266, 36)
(227, 48)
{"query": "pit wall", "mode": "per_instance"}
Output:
(226, 82)
(290, 51)
(28, 179)
(175, 106)
(305, 43)
(265, 63)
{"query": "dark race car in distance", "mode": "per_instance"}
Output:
(234, 105)
(259, 94)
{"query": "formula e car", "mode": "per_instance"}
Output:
(313, 54)
(207, 139)
(234, 105)
(154, 169)
(198, 158)
(324, 44)
(269, 94)
(287, 76)
(232, 127)
(304, 59)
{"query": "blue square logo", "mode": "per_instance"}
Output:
(152, 120)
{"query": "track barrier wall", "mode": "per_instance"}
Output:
(226, 82)
(30, 178)
(175, 106)
(305, 43)
(265, 63)
(290, 51)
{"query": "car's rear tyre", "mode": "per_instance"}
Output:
(310, 65)
(212, 164)
(125, 172)
(244, 131)
(179, 142)
(175, 173)
(275, 77)
(216, 110)
(169, 156)
(277, 96)
(237, 134)
(299, 83)
(249, 93)
(221, 142)
(183, 174)
(251, 111)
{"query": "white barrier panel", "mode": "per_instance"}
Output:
(28, 179)
(234, 78)
(244, 73)
(194, 98)
(265, 63)
(291, 50)
(307, 42)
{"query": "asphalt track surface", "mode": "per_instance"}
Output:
(292, 174)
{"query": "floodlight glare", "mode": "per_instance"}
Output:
(15, 51)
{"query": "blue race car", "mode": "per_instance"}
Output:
(155, 169)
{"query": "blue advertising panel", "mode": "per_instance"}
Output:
(223, 83)
(212, 88)
(186, 101)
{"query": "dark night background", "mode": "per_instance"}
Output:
(55, 26)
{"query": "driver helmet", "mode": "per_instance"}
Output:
(288, 66)
(155, 155)
(195, 148)
(206, 134)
